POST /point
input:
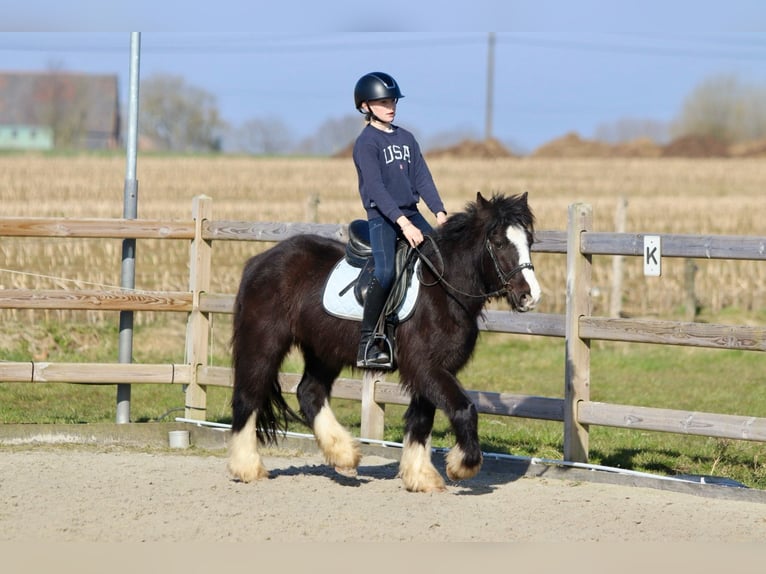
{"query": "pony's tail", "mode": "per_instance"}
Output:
(256, 359)
(274, 416)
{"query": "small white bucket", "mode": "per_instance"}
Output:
(178, 439)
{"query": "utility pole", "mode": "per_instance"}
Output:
(130, 211)
(490, 85)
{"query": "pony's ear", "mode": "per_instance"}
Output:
(480, 201)
(524, 197)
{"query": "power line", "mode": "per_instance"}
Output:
(746, 47)
(231, 44)
(756, 50)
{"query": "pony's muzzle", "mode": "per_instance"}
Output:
(527, 302)
(527, 297)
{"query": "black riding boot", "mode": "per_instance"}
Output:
(373, 351)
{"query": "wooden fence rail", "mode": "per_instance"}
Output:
(577, 327)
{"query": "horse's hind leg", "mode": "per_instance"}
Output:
(244, 460)
(416, 469)
(258, 349)
(336, 443)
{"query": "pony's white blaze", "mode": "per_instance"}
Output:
(518, 236)
(336, 443)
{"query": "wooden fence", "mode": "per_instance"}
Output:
(575, 410)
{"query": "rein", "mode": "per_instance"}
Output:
(505, 277)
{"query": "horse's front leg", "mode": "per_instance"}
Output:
(415, 468)
(445, 392)
(465, 458)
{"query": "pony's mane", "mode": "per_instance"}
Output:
(482, 216)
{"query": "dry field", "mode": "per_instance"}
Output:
(664, 195)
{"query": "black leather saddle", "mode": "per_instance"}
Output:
(359, 254)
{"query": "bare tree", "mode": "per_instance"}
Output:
(332, 136)
(725, 108)
(269, 136)
(176, 116)
(61, 103)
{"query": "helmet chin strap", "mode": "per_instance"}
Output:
(371, 114)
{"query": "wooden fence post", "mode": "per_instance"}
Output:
(691, 303)
(373, 414)
(198, 324)
(312, 208)
(615, 295)
(577, 372)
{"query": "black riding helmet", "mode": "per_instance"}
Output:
(375, 86)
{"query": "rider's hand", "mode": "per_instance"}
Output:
(412, 234)
(441, 218)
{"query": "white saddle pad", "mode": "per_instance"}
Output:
(346, 306)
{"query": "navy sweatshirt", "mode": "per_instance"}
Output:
(393, 175)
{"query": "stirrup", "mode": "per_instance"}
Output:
(366, 363)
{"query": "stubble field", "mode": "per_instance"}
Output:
(691, 196)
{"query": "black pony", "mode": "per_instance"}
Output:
(481, 253)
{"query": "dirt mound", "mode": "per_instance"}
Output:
(572, 145)
(696, 146)
(345, 152)
(641, 147)
(755, 148)
(489, 149)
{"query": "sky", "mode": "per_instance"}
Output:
(561, 67)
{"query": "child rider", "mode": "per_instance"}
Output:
(393, 176)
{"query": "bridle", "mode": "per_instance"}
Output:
(504, 276)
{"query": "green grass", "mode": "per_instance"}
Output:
(705, 380)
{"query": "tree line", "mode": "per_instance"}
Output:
(178, 117)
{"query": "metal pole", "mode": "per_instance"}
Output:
(130, 211)
(490, 85)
